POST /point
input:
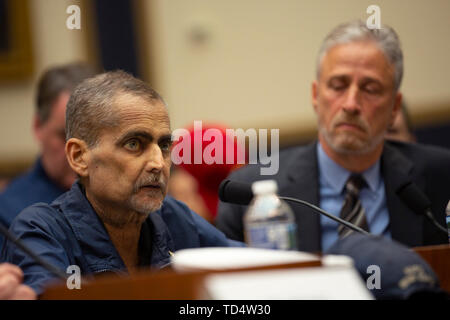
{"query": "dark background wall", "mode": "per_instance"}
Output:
(116, 35)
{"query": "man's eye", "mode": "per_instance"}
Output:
(133, 145)
(337, 85)
(165, 146)
(372, 89)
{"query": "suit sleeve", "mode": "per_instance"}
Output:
(229, 220)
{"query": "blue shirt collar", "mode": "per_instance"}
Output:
(98, 249)
(335, 176)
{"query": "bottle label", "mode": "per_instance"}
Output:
(272, 236)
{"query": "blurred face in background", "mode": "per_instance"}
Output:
(354, 98)
(399, 130)
(51, 136)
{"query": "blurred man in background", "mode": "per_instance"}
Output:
(401, 129)
(50, 175)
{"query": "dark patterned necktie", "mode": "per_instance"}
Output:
(352, 211)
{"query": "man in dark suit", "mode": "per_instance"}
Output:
(356, 98)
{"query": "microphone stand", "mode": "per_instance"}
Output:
(430, 216)
(339, 220)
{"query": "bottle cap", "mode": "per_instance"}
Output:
(264, 187)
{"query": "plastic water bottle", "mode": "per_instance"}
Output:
(447, 220)
(269, 222)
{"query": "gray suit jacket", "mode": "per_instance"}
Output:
(427, 166)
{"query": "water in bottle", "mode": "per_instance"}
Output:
(269, 221)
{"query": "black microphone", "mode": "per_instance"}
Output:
(235, 192)
(418, 202)
(59, 273)
(241, 193)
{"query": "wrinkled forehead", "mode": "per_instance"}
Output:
(130, 108)
(365, 56)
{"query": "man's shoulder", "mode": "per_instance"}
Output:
(423, 154)
(29, 188)
(13, 198)
(38, 219)
(174, 212)
(172, 205)
(39, 212)
(18, 185)
(177, 214)
(187, 229)
(46, 212)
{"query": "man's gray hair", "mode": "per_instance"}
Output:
(386, 39)
(91, 105)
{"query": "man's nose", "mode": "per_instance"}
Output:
(352, 100)
(155, 159)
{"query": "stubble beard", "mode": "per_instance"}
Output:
(349, 144)
(147, 206)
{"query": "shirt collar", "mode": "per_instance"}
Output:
(335, 176)
(98, 249)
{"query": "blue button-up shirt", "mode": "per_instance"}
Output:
(332, 179)
(69, 232)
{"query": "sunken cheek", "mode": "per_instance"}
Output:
(117, 168)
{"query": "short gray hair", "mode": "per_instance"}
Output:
(386, 39)
(90, 106)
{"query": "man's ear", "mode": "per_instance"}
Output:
(314, 94)
(77, 153)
